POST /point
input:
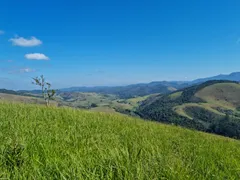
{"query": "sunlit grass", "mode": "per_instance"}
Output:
(53, 143)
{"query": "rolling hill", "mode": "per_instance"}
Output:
(200, 106)
(5, 97)
(62, 143)
(91, 101)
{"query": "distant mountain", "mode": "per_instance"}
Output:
(235, 76)
(141, 89)
(132, 90)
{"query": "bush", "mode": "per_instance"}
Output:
(93, 105)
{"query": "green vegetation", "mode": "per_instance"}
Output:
(92, 101)
(47, 92)
(226, 95)
(24, 99)
(200, 107)
(175, 95)
(37, 142)
(137, 100)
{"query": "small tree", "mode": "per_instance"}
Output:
(47, 92)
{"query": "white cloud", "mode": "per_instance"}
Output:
(36, 56)
(1, 32)
(20, 41)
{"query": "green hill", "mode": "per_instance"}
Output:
(92, 101)
(23, 99)
(56, 143)
(199, 107)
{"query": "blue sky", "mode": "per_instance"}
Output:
(88, 43)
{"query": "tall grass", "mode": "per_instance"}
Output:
(53, 143)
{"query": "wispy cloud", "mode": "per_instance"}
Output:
(20, 41)
(36, 56)
(17, 70)
(26, 70)
(1, 32)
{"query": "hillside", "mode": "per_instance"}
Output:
(5, 97)
(91, 101)
(57, 143)
(199, 107)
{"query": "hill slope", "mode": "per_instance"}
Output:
(197, 107)
(53, 143)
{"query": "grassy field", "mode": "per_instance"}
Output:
(61, 143)
(210, 107)
(175, 95)
(221, 95)
(104, 103)
(24, 99)
(135, 101)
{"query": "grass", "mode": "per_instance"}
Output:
(61, 143)
(175, 95)
(223, 95)
(103, 109)
(210, 107)
(105, 103)
(135, 101)
(23, 99)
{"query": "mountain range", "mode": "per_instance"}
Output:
(235, 76)
(143, 89)
(135, 90)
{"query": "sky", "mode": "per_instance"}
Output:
(93, 43)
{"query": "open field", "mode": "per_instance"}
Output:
(61, 143)
(175, 95)
(92, 101)
(23, 99)
(181, 109)
(224, 96)
(135, 101)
